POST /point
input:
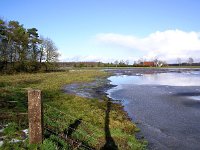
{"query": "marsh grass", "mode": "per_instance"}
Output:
(13, 99)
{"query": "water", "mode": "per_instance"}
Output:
(171, 79)
(166, 107)
(195, 98)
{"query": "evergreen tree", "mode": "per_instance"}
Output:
(22, 49)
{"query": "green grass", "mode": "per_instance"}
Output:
(62, 109)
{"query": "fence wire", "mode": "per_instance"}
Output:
(86, 124)
(62, 126)
(79, 144)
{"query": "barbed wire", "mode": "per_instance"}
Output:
(84, 122)
(75, 130)
(80, 144)
(63, 126)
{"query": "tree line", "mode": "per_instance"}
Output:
(23, 50)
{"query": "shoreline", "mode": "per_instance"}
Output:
(99, 86)
(97, 89)
(157, 124)
(96, 115)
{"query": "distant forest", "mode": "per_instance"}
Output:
(23, 50)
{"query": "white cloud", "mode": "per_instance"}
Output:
(83, 58)
(94, 58)
(167, 45)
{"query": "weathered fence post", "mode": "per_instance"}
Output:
(35, 117)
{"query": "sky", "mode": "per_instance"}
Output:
(109, 30)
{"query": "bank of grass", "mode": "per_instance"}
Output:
(66, 109)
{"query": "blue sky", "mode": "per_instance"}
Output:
(108, 30)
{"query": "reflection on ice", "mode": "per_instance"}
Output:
(195, 98)
(171, 79)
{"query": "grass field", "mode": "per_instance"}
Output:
(64, 109)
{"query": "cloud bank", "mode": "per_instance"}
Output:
(94, 58)
(167, 45)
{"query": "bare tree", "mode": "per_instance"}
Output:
(48, 53)
(179, 61)
(122, 62)
(190, 60)
(140, 61)
(156, 62)
(116, 63)
(48, 50)
(127, 62)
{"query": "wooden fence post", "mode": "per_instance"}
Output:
(35, 117)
